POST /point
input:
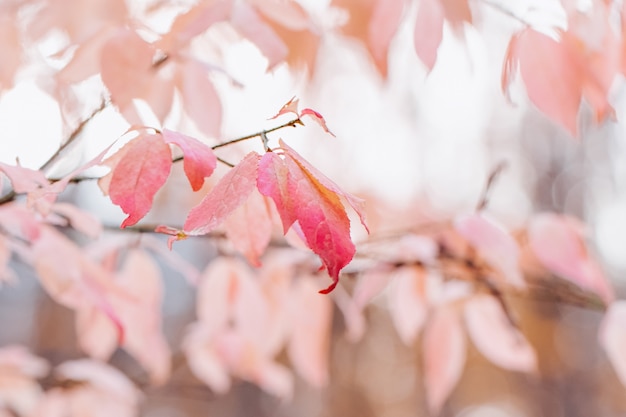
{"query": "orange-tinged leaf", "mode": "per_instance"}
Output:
(496, 337)
(230, 192)
(322, 219)
(136, 177)
(357, 204)
(199, 162)
(444, 356)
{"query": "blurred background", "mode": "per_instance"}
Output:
(419, 148)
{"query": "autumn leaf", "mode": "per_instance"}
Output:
(444, 356)
(199, 160)
(558, 243)
(410, 305)
(138, 171)
(558, 73)
(230, 192)
(317, 118)
(496, 337)
(302, 194)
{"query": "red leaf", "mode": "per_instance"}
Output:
(495, 337)
(272, 182)
(356, 203)
(318, 118)
(322, 219)
(444, 356)
(230, 192)
(139, 171)
(199, 162)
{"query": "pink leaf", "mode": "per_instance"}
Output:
(249, 227)
(272, 182)
(494, 244)
(309, 343)
(230, 192)
(80, 220)
(24, 180)
(612, 337)
(290, 107)
(322, 219)
(558, 243)
(137, 175)
(496, 337)
(382, 27)
(200, 100)
(199, 162)
(409, 304)
(357, 204)
(126, 63)
(246, 20)
(318, 118)
(428, 31)
(444, 356)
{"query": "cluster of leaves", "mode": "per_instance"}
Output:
(443, 284)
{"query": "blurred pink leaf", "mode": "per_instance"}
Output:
(200, 99)
(558, 242)
(19, 370)
(612, 337)
(494, 243)
(289, 107)
(382, 27)
(24, 180)
(444, 356)
(309, 342)
(79, 219)
(495, 336)
(11, 46)
(409, 306)
(247, 21)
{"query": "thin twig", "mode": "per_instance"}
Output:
(74, 135)
(500, 8)
(291, 123)
(484, 199)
